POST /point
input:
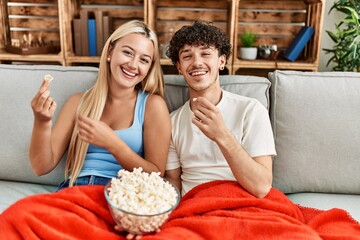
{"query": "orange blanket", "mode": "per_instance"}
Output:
(215, 210)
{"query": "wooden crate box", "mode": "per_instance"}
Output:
(168, 16)
(119, 11)
(277, 23)
(31, 27)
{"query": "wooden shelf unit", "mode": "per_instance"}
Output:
(277, 23)
(30, 20)
(119, 10)
(274, 22)
(168, 16)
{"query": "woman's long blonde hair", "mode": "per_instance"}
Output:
(93, 101)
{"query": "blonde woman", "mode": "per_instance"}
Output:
(121, 122)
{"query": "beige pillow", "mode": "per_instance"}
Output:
(316, 123)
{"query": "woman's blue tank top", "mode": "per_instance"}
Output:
(100, 162)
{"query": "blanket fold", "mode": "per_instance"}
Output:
(214, 210)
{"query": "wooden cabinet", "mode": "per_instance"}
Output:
(274, 22)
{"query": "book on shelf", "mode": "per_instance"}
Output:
(77, 37)
(99, 31)
(92, 37)
(84, 16)
(107, 27)
(298, 44)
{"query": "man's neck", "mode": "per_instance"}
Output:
(213, 94)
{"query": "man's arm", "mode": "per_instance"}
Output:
(173, 168)
(174, 176)
(254, 174)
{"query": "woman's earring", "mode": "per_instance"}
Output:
(221, 68)
(108, 59)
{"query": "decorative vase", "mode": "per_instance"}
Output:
(248, 53)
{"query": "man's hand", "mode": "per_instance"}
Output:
(208, 118)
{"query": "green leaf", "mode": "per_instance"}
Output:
(354, 14)
(332, 36)
(248, 39)
(330, 60)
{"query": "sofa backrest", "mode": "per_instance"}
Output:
(176, 90)
(316, 122)
(19, 84)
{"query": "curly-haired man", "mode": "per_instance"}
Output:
(216, 134)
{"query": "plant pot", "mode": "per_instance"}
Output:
(248, 53)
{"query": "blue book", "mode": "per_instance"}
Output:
(298, 44)
(92, 37)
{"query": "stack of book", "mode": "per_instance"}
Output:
(90, 32)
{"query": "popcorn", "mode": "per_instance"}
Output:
(145, 200)
(48, 78)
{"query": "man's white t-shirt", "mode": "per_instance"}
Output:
(200, 158)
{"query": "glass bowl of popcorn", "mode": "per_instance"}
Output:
(140, 202)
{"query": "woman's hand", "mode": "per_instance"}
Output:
(96, 132)
(42, 104)
(129, 235)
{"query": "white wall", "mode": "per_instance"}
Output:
(328, 24)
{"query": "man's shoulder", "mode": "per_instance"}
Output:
(236, 101)
(237, 97)
(179, 111)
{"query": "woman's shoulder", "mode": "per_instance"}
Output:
(156, 103)
(72, 102)
(75, 98)
(154, 99)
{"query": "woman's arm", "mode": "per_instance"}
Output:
(157, 132)
(49, 143)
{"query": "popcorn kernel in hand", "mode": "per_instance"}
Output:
(48, 78)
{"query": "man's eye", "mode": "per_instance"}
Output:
(186, 56)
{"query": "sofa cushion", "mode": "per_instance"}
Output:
(13, 191)
(176, 91)
(316, 123)
(326, 201)
(19, 84)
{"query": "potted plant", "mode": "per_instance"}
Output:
(247, 50)
(346, 51)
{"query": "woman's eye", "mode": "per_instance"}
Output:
(128, 53)
(144, 60)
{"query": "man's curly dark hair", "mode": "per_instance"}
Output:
(200, 34)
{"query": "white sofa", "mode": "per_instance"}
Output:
(315, 118)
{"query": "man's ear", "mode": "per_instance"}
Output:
(222, 61)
